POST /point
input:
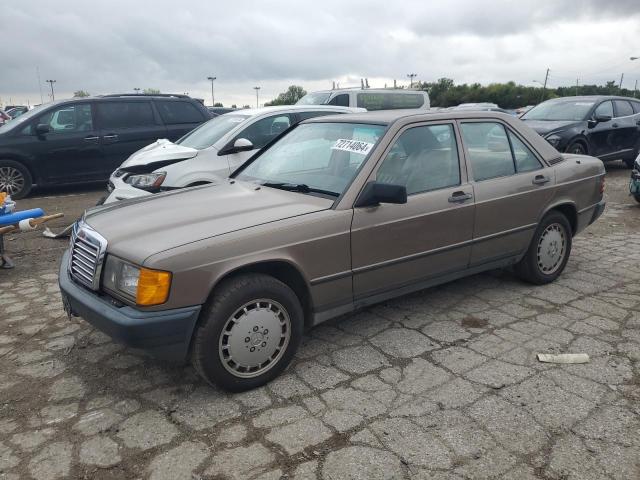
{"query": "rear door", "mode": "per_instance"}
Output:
(511, 189)
(602, 135)
(71, 150)
(125, 127)
(179, 116)
(395, 246)
(626, 128)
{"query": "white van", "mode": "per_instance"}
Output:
(369, 98)
(209, 153)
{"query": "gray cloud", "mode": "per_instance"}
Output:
(106, 47)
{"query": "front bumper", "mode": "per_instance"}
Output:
(120, 190)
(165, 334)
(634, 182)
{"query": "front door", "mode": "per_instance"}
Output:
(71, 150)
(394, 246)
(627, 129)
(602, 135)
(511, 190)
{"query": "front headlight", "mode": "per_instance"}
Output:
(141, 285)
(146, 181)
(554, 140)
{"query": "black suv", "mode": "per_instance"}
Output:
(606, 127)
(86, 139)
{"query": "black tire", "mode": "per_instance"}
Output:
(530, 267)
(629, 161)
(223, 308)
(637, 197)
(577, 148)
(15, 179)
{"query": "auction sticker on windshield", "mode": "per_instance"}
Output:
(353, 146)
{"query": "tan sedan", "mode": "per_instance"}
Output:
(340, 213)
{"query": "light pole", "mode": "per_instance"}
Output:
(213, 101)
(257, 89)
(137, 90)
(51, 82)
(411, 77)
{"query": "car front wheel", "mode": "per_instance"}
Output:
(637, 197)
(15, 179)
(248, 333)
(577, 148)
(549, 251)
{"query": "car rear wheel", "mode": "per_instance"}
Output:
(248, 333)
(629, 162)
(15, 179)
(577, 148)
(637, 197)
(549, 251)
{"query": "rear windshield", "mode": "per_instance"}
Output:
(210, 132)
(319, 98)
(389, 100)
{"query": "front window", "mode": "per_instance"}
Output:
(210, 132)
(565, 110)
(318, 98)
(318, 158)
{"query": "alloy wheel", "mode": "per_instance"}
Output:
(254, 338)
(552, 248)
(11, 180)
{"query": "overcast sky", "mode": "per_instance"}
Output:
(115, 46)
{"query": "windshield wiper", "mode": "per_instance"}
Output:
(299, 187)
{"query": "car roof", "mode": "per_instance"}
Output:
(369, 90)
(594, 98)
(302, 108)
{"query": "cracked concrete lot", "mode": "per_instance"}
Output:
(442, 384)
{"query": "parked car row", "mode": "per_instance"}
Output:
(337, 213)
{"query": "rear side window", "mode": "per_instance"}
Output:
(341, 100)
(389, 100)
(636, 107)
(488, 150)
(125, 114)
(623, 108)
(178, 112)
(525, 160)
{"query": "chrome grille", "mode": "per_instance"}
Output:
(87, 254)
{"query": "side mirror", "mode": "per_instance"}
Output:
(375, 193)
(240, 145)
(602, 118)
(42, 128)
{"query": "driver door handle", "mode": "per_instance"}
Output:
(91, 138)
(459, 197)
(540, 180)
(113, 136)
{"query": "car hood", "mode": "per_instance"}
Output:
(159, 153)
(136, 229)
(543, 127)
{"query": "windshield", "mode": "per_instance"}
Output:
(573, 110)
(314, 99)
(210, 132)
(322, 157)
(21, 119)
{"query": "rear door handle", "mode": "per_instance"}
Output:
(615, 125)
(91, 138)
(459, 197)
(540, 180)
(113, 136)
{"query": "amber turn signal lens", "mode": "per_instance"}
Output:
(153, 287)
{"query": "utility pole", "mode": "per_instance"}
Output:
(544, 87)
(137, 90)
(577, 83)
(411, 77)
(620, 85)
(39, 84)
(213, 100)
(51, 82)
(635, 89)
(257, 89)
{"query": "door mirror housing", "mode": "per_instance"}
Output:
(375, 193)
(42, 128)
(602, 118)
(240, 145)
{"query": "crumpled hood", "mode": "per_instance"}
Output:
(136, 229)
(161, 151)
(544, 127)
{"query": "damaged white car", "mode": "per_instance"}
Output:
(209, 153)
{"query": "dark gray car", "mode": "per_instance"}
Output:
(340, 213)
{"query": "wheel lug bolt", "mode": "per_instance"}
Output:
(247, 339)
(255, 329)
(266, 331)
(252, 349)
(264, 344)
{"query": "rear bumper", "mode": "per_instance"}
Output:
(165, 334)
(589, 215)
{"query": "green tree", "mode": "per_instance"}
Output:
(291, 96)
(151, 91)
(234, 106)
(80, 94)
(218, 104)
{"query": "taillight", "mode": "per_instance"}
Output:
(602, 185)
